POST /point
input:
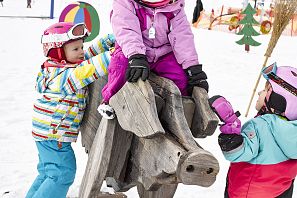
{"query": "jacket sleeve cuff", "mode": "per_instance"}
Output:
(133, 51)
(230, 142)
(188, 64)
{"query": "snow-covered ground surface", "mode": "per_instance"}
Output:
(231, 72)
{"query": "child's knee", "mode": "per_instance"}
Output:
(63, 175)
(68, 177)
(118, 64)
(181, 81)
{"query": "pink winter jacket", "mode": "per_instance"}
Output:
(131, 23)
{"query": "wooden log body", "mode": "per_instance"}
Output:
(159, 161)
(165, 159)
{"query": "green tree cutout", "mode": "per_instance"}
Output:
(248, 31)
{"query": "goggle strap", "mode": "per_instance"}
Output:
(282, 83)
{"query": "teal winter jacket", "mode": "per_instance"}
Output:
(265, 164)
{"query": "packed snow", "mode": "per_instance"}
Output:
(231, 71)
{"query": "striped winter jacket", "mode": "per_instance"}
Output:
(62, 93)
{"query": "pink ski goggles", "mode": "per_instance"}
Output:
(76, 32)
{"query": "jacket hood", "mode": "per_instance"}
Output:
(284, 133)
(177, 5)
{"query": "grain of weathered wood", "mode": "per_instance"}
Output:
(118, 185)
(159, 162)
(204, 121)
(165, 191)
(189, 108)
(91, 119)
(99, 158)
(154, 161)
(160, 103)
(198, 168)
(119, 158)
(136, 110)
(173, 113)
(108, 195)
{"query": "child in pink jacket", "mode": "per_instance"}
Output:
(152, 35)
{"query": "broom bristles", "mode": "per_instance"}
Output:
(284, 10)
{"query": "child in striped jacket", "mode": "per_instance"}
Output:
(62, 90)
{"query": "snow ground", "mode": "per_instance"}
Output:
(232, 72)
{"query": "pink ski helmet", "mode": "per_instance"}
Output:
(284, 89)
(55, 36)
(154, 3)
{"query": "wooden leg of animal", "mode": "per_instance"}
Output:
(119, 159)
(92, 118)
(99, 158)
(204, 121)
(107, 195)
(165, 191)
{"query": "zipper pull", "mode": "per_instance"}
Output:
(152, 32)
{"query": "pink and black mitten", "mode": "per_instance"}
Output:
(230, 137)
(225, 112)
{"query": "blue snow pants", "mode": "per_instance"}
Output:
(56, 168)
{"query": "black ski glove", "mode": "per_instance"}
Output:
(138, 67)
(196, 77)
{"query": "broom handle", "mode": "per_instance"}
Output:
(256, 85)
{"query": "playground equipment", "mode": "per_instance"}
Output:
(150, 144)
(232, 18)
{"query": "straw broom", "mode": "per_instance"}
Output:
(284, 10)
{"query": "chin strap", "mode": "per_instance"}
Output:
(266, 109)
(60, 53)
(150, 6)
(262, 111)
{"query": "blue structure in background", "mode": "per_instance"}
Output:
(52, 9)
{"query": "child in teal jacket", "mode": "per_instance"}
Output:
(263, 152)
